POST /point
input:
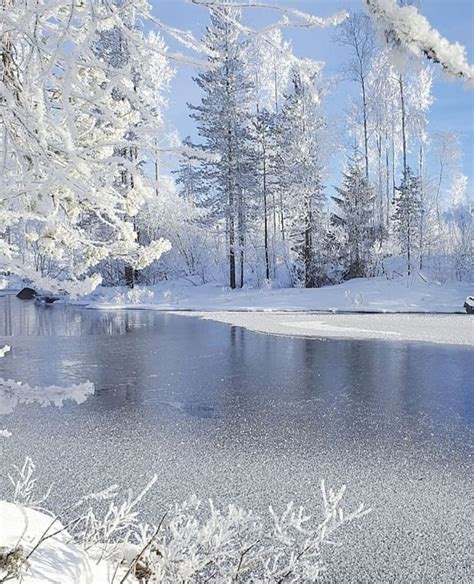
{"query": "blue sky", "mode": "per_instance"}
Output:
(453, 108)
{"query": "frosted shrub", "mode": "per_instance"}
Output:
(24, 484)
(197, 542)
(135, 296)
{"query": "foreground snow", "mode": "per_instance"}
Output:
(57, 559)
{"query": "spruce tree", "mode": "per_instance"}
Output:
(222, 123)
(354, 214)
(408, 214)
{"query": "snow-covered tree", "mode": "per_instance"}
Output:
(222, 124)
(302, 140)
(354, 215)
(459, 222)
(356, 33)
(408, 214)
(64, 112)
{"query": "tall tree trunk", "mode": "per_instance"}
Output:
(241, 229)
(409, 247)
(231, 227)
(308, 246)
(265, 217)
(130, 273)
(404, 136)
(157, 169)
(366, 134)
(387, 185)
(422, 197)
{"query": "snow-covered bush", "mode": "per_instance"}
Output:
(134, 296)
(192, 541)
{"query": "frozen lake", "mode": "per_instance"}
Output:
(254, 419)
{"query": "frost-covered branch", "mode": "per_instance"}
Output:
(405, 28)
(191, 541)
(291, 18)
(78, 83)
(14, 392)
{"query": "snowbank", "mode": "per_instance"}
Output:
(375, 308)
(358, 295)
(57, 559)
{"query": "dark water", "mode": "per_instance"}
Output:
(254, 419)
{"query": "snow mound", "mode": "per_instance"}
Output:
(57, 559)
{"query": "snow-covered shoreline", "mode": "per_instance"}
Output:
(365, 308)
(361, 295)
(436, 328)
(375, 308)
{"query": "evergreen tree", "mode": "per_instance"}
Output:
(408, 215)
(302, 129)
(264, 134)
(355, 216)
(222, 123)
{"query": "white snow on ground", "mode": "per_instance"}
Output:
(393, 304)
(358, 295)
(57, 560)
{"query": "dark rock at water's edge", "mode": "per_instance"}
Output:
(27, 294)
(46, 299)
(469, 305)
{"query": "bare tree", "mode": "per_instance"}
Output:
(357, 34)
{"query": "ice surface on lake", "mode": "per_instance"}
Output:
(389, 418)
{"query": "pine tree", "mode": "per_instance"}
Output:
(355, 217)
(408, 215)
(264, 161)
(222, 123)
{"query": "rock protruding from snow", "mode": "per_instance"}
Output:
(27, 294)
(469, 305)
(44, 299)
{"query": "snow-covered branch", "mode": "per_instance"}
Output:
(14, 392)
(192, 541)
(405, 28)
(291, 18)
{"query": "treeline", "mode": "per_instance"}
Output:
(87, 194)
(264, 145)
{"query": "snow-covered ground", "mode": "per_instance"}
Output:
(395, 309)
(442, 328)
(57, 560)
(358, 295)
